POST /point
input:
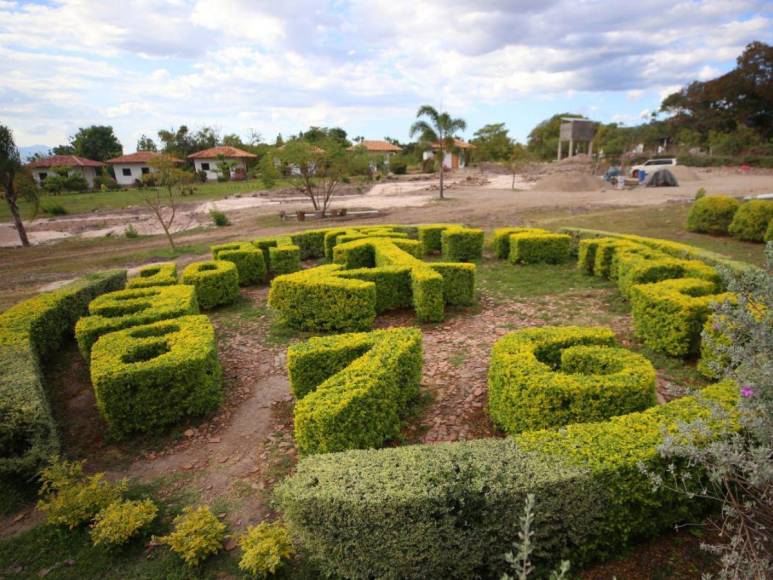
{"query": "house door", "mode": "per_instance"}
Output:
(454, 161)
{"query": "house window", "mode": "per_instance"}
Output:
(205, 166)
(145, 170)
(42, 175)
(127, 172)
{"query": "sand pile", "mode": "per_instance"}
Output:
(683, 173)
(565, 181)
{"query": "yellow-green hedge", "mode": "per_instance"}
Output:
(29, 332)
(147, 377)
(552, 376)
(501, 241)
(155, 275)
(216, 281)
(751, 220)
(460, 244)
(450, 510)
(431, 237)
(132, 307)
(248, 259)
(712, 214)
(539, 248)
(669, 315)
(352, 389)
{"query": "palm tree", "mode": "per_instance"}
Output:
(10, 164)
(438, 131)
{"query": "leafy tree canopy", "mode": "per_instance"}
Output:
(492, 143)
(145, 143)
(97, 142)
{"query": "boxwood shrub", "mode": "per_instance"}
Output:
(311, 243)
(284, 259)
(712, 214)
(248, 259)
(155, 275)
(552, 376)
(29, 332)
(539, 248)
(669, 315)
(501, 241)
(452, 510)
(132, 307)
(147, 377)
(216, 281)
(460, 244)
(751, 220)
(352, 389)
(431, 237)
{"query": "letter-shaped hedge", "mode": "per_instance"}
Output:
(372, 275)
(249, 260)
(132, 307)
(216, 281)
(149, 376)
(30, 331)
(352, 389)
(539, 248)
(460, 244)
(450, 510)
(669, 315)
(155, 275)
(552, 376)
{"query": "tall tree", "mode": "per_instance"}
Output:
(437, 130)
(317, 170)
(492, 143)
(163, 200)
(97, 142)
(10, 165)
(543, 139)
(145, 143)
(177, 142)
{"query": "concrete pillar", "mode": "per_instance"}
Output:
(559, 150)
(590, 148)
(571, 147)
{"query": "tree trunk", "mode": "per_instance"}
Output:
(442, 158)
(10, 196)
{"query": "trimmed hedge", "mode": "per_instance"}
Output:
(248, 259)
(669, 315)
(539, 248)
(155, 275)
(352, 389)
(29, 332)
(769, 232)
(452, 510)
(712, 214)
(751, 220)
(501, 240)
(311, 243)
(552, 376)
(147, 377)
(132, 307)
(284, 259)
(431, 237)
(460, 244)
(216, 281)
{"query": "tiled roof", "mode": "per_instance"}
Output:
(139, 157)
(225, 151)
(377, 146)
(458, 143)
(64, 161)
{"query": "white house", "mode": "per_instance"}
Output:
(377, 151)
(210, 159)
(453, 159)
(130, 168)
(42, 168)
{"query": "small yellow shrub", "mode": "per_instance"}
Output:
(118, 522)
(70, 498)
(197, 534)
(265, 547)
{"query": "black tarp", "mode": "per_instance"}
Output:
(661, 178)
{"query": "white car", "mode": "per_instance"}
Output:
(652, 165)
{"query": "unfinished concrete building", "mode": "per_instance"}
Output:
(579, 133)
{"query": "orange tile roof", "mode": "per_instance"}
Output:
(377, 146)
(457, 143)
(64, 161)
(140, 157)
(225, 151)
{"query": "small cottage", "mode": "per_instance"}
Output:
(42, 168)
(130, 168)
(454, 158)
(377, 151)
(209, 161)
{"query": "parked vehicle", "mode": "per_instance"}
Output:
(652, 165)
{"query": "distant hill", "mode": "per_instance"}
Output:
(27, 152)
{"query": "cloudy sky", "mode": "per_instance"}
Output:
(365, 65)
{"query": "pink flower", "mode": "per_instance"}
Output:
(747, 391)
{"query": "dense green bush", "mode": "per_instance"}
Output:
(310, 242)
(431, 238)
(669, 315)
(769, 232)
(29, 332)
(265, 548)
(632, 267)
(155, 275)
(552, 376)
(121, 521)
(197, 535)
(752, 219)
(352, 389)
(132, 307)
(537, 248)
(284, 259)
(460, 244)
(219, 218)
(147, 377)
(249, 260)
(451, 510)
(712, 214)
(501, 241)
(216, 281)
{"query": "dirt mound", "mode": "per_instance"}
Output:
(683, 173)
(570, 182)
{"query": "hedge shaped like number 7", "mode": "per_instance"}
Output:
(352, 389)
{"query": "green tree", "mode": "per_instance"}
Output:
(438, 130)
(145, 143)
(163, 199)
(316, 169)
(233, 140)
(492, 143)
(10, 167)
(268, 171)
(97, 142)
(177, 142)
(63, 150)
